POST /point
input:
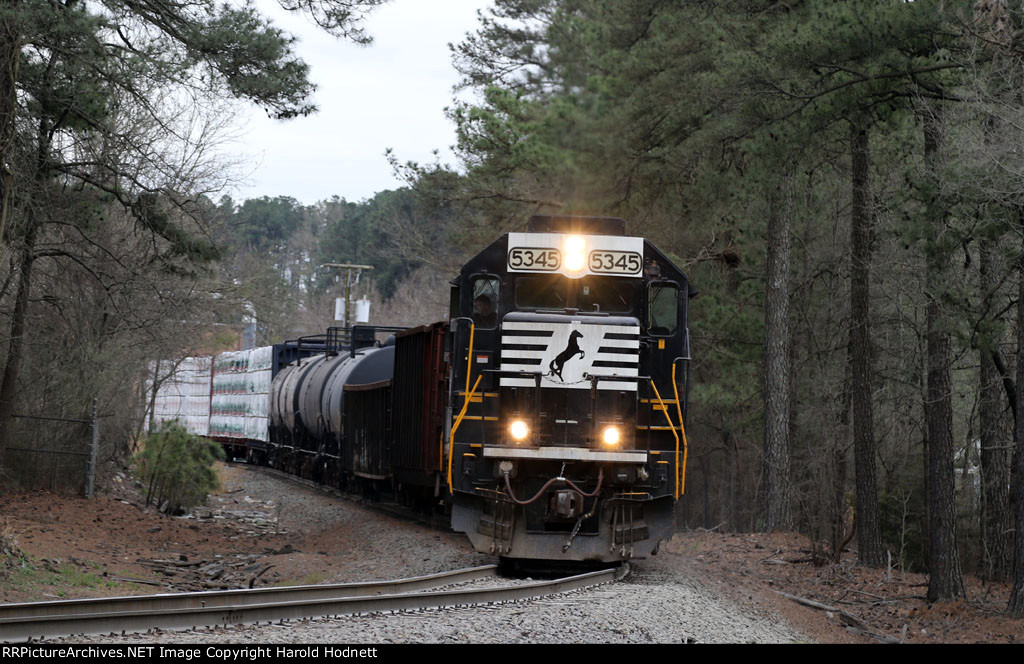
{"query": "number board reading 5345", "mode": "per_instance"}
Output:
(575, 255)
(535, 258)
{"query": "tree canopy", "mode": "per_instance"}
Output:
(110, 113)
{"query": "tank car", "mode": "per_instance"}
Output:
(308, 431)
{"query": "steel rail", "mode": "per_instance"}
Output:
(121, 620)
(238, 597)
(23, 613)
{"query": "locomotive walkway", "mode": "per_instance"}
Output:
(33, 621)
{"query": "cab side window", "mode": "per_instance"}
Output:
(485, 302)
(663, 309)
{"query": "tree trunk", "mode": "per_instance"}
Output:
(730, 509)
(777, 486)
(10, 58)
(1016, 605)
(9, 382)
(839, 462)
(869, 540)
(945, 580)
(19, 317)
(152, 396)
(997, 546)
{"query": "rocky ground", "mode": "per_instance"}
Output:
(260, 530)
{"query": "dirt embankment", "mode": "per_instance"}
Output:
(875, 605)
(256, 531)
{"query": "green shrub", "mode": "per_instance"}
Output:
(176, 468)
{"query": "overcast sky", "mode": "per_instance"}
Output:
(391, 94)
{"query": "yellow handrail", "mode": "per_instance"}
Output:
(469, 370)
(671, 426)
(455, 427)
(682, 430)
(469, 355)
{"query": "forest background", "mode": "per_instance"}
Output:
(842, 181)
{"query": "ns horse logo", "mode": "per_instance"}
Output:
(571, 350)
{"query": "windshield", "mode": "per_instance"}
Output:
(611, 294)
(547, 292)
(588, 294)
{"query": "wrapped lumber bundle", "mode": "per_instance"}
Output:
(183, 393)
(241, 393)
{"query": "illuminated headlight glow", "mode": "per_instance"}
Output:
(519, 430)
(610, 436)
(575, 248)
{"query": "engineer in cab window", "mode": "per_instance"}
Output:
(483, 313)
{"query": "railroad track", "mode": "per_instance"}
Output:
(32, 621)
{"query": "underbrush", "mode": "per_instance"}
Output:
(45, 578)
(176, 468)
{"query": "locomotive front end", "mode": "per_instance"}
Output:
(566, 420)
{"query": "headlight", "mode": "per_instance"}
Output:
(575, 247)
(611, 436)
(519, 430)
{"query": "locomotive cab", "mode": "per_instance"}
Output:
(567, 403)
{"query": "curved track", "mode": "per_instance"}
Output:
(38, 620)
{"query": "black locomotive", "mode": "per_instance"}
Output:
(547, 414)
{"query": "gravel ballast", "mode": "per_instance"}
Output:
(660, 602)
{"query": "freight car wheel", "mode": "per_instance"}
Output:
(256, 457)
(368, 489)
(402, 495)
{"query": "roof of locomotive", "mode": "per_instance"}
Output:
(546, 223)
